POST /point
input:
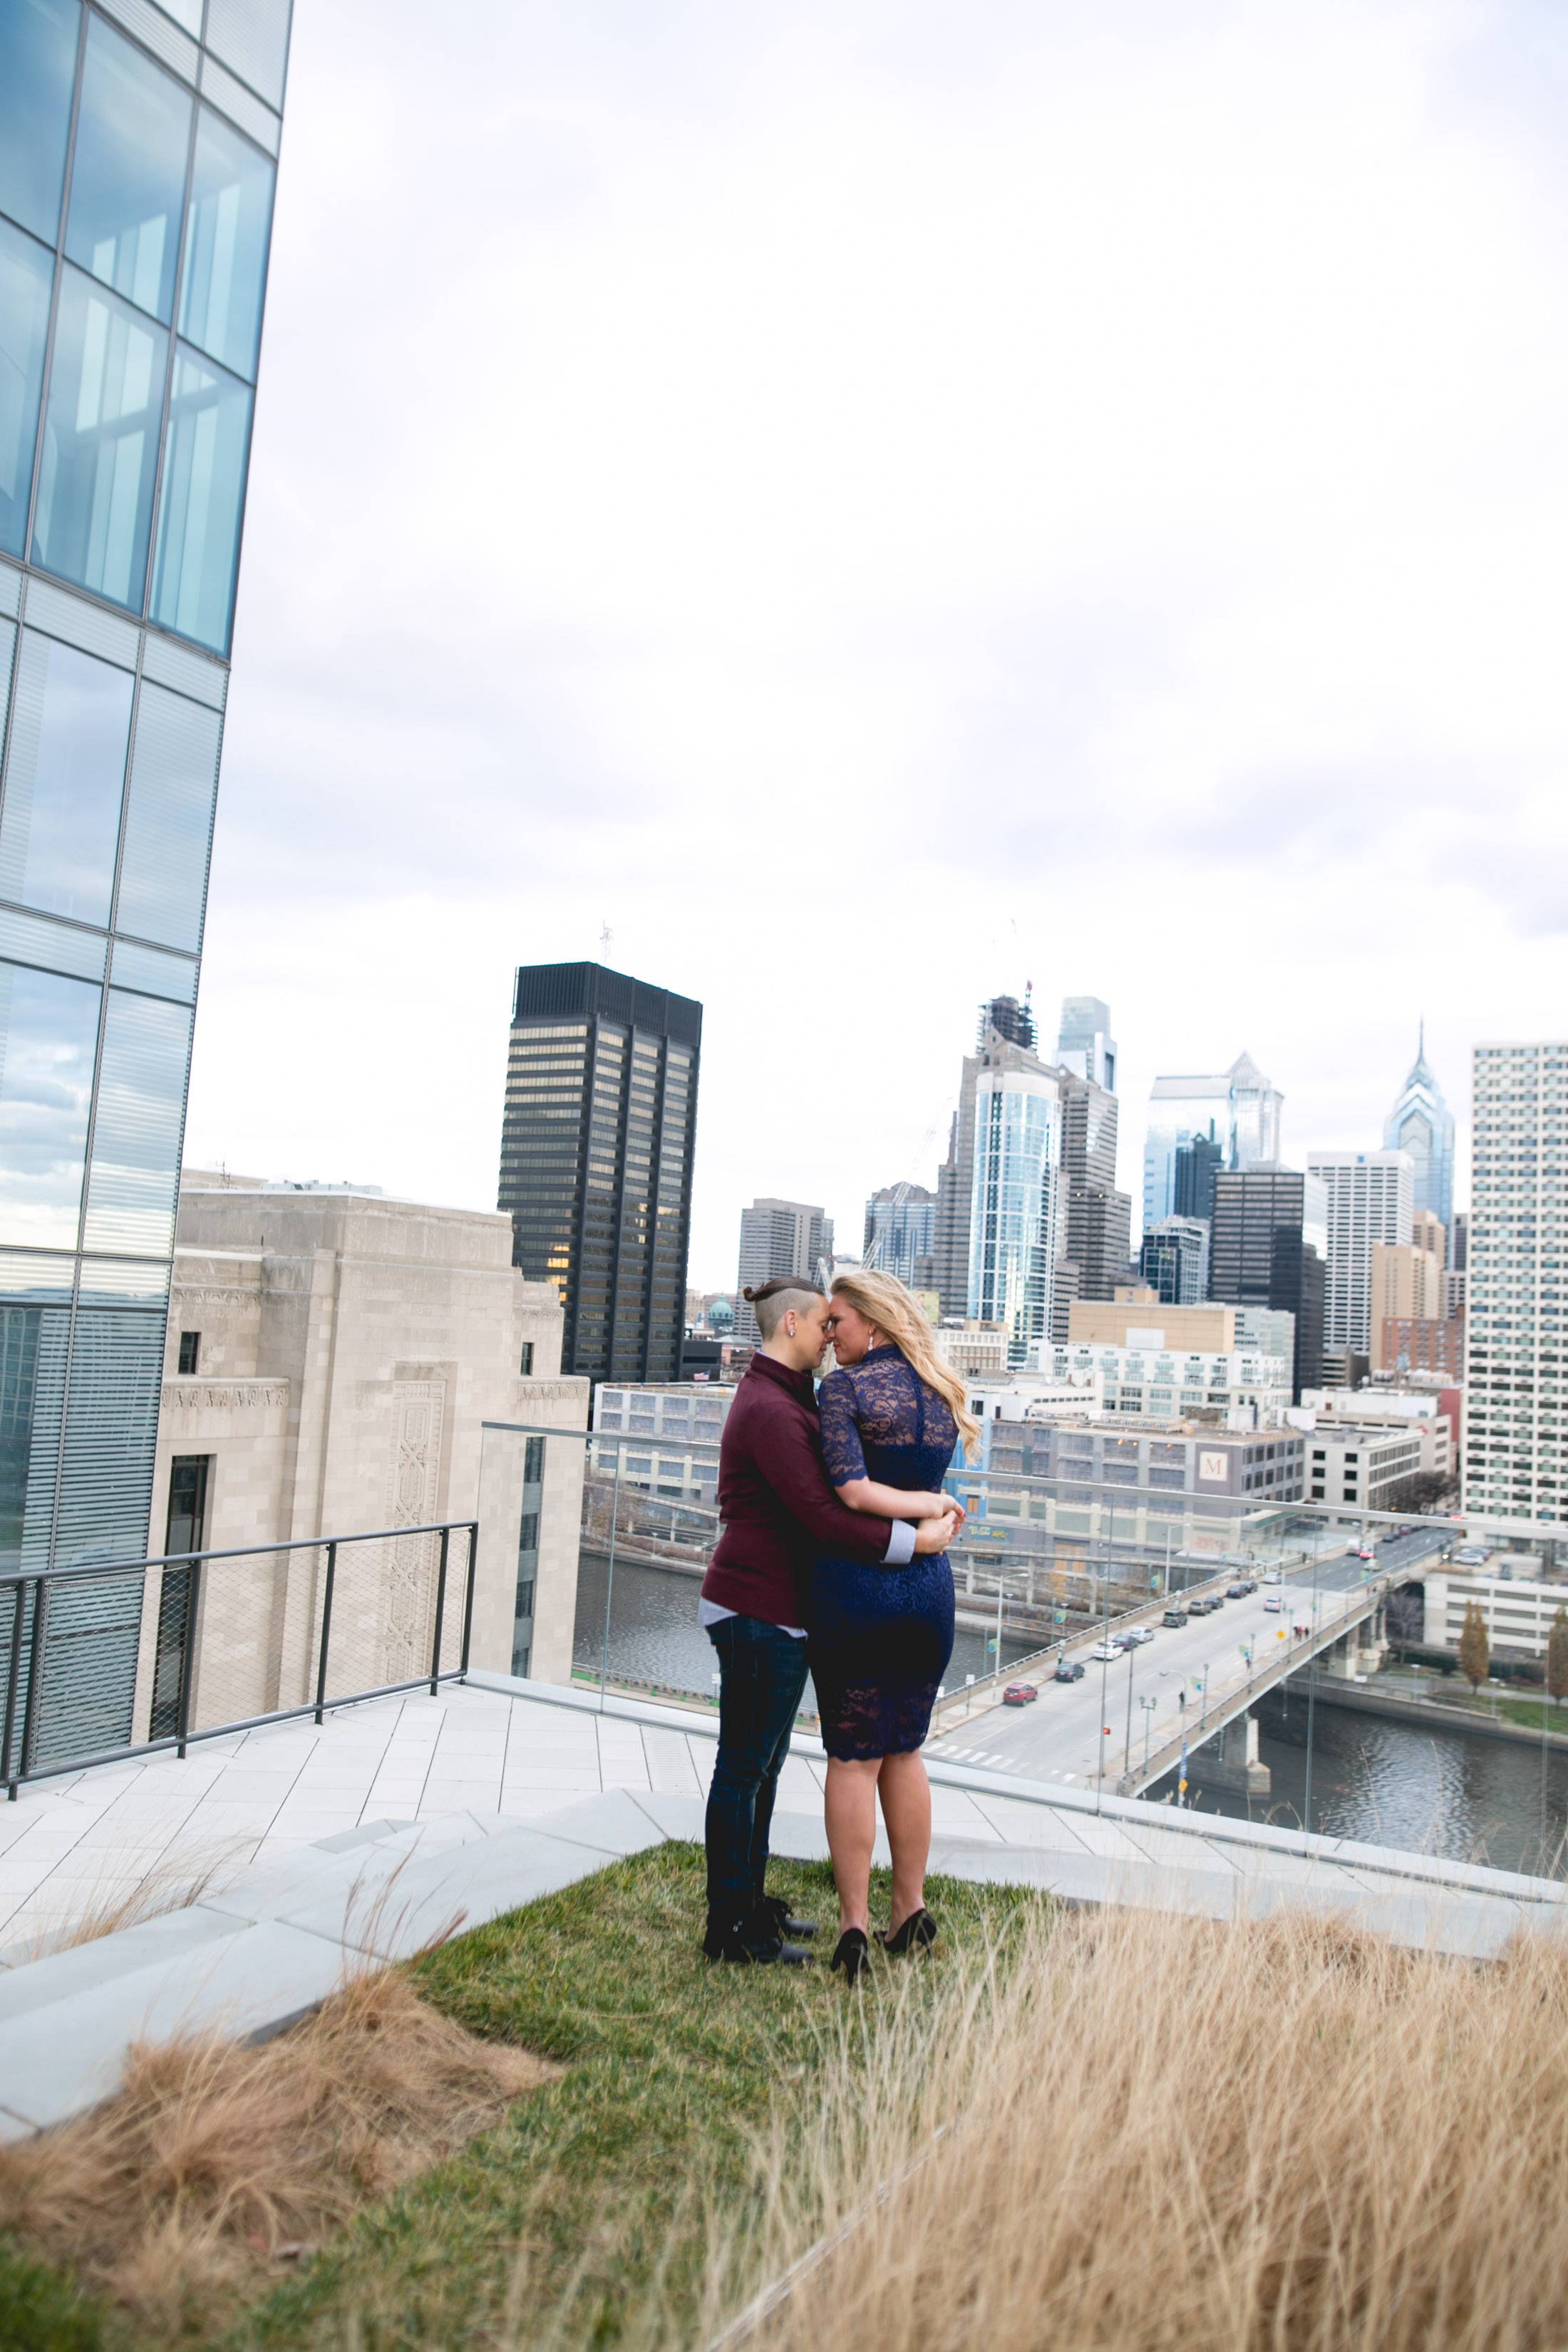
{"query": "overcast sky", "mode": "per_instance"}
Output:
(876, 505)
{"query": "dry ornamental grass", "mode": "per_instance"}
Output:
(1152, 2135)
(217, 2156)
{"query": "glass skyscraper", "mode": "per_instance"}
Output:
(1421, 1124)
(1236, 1111)
(138, 149)
(1014, 1204)
(595, 1160)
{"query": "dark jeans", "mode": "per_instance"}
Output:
(761, 1678)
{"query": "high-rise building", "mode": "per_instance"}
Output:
(137, 162)
(1369, 1200)
(1269, 1248)
(1006, 1037)
(1197, 1164)
(778, 1237)
(1174, 1261)
(1427, 1233)
(1406, 1289)
(1015, 1199)
(1085, 1045)
(900, 1226)
(1237, 1111)
(595, 1159)
(1421, 1125)
(1517, 1339)
(1095, 1238)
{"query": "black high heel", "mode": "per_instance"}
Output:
(918, 1933)
(853, 1953)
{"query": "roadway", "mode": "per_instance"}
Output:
(1060, 1735)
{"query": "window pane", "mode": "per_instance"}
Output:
(38, 67)
(48, 1031)
(128, 179)
(106, 1479)
(168, 829)
(100, 444)
(204, 487)
(252, 37)
(26, 273)
(227, 224)
(59, 824)
(136, 1136)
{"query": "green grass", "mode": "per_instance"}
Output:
(40, 2311)
(672, 2064)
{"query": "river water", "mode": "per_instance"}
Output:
(1383, 1783)
(1396, 1784)
(655, 1636)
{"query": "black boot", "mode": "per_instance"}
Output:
(775, 1907)
(751, 1939)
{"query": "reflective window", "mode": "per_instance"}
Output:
(27, 274)
(136, 1135)
(38, 67)
(204, 489)
(19, 1330)
(106, 1491)
(49, 1030)
(100, 444)
(228, 221)
(128, 179)
(168, 825)
(59, 822)
(123, 1282)
(251, 36)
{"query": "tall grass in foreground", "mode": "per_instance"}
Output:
(1144, 2133)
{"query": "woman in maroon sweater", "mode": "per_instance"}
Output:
(778, 1512)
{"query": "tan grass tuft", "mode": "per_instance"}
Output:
(1149, 2134)
(215, 2156)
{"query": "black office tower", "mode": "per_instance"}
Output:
(595, 1160)
(1260, 1256)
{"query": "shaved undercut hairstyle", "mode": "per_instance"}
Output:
(774, 1301)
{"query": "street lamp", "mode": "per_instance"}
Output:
(1148, 1704)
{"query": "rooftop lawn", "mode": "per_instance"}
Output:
(557, 2220)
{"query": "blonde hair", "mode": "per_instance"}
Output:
(883, 1300)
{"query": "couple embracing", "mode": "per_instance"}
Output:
(833, 1554)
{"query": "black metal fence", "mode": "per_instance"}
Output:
(106, 1660)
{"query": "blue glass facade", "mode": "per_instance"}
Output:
(1014, 1206)
(138, 149)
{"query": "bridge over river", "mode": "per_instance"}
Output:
(1124, 1725)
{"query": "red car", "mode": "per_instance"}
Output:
(1019, 1694)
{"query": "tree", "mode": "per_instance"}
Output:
(1557, 1657)
(1423, 1491)
(1475, 1650)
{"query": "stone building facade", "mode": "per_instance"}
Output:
(333, 1357)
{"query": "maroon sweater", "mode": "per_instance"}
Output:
(777, 1506)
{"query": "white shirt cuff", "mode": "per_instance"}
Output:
(901, 1544)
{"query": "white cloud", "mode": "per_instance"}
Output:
(878, 505)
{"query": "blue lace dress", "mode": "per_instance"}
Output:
(881, 1637)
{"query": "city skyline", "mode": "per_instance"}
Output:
(1143, 679)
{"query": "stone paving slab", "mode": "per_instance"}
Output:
(66, 2056)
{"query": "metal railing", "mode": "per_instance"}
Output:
(86, 1646)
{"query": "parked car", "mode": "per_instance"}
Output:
(1237, 1591)
(1174, 1617)
(1139, 1634)
(1069, 1670)
(1019, 1694)
(1204, 1605)
(1105, 1654)
(1472, 1556)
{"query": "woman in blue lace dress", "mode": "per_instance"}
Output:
(891, 1415)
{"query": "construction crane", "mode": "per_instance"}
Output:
(901, 1191)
